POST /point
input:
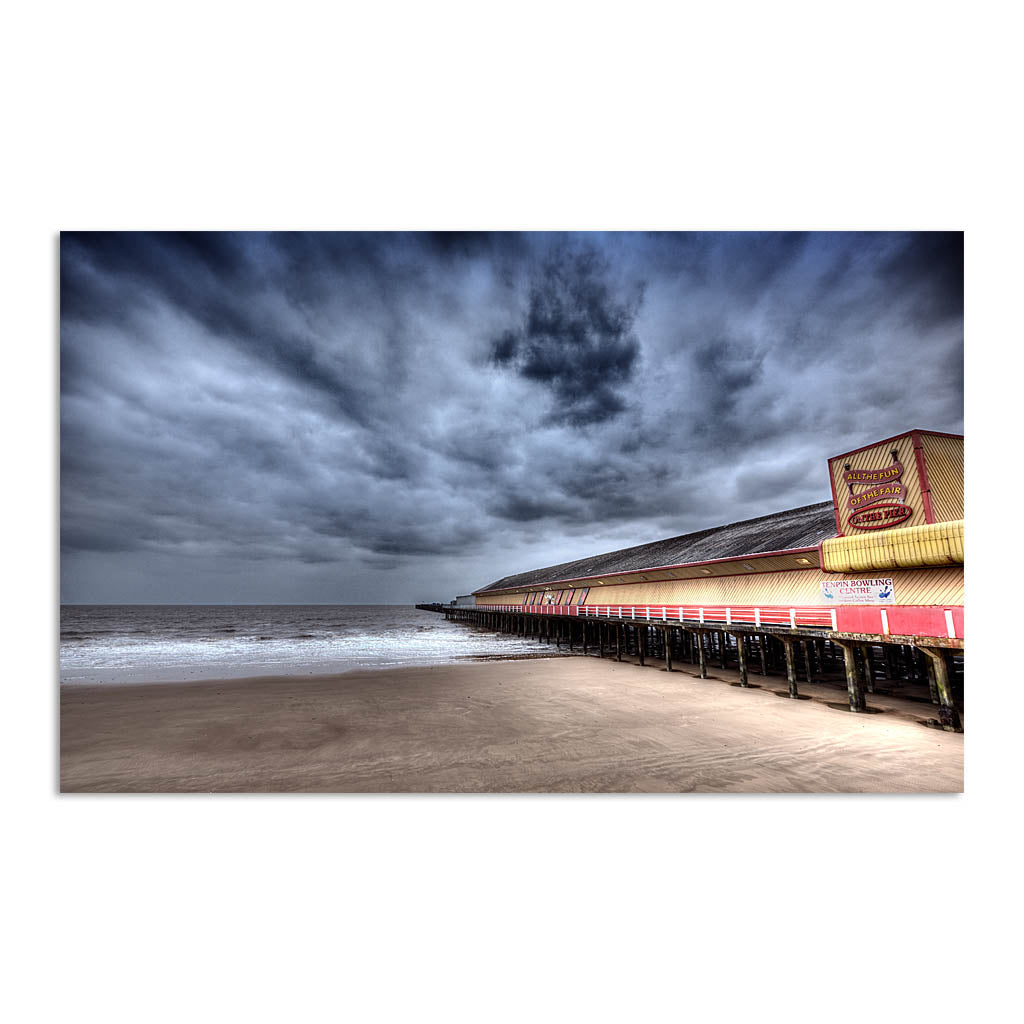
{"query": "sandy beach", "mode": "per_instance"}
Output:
(537, 725)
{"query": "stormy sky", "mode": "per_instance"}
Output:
(390, 418)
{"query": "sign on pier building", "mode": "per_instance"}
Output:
(913, 479)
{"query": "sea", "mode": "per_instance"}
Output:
(172, 643)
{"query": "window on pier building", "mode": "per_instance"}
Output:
(583, 595)
(568, 596)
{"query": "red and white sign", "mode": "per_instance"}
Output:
(879, 516)
(874, 590)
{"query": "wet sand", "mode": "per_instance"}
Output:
(540, 725)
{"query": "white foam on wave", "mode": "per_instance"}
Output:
(128, 644)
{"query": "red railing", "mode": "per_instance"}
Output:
(880, 620)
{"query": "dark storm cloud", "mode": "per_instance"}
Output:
(216, 281)
(931, 270)
(726, 365)
(576, 338)
(374, 417)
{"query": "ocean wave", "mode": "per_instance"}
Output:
(172, 643)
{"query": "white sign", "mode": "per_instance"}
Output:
(878, 590)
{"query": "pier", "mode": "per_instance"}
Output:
(866, 590)
(662, 636)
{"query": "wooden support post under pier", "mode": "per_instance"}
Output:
(869, 675)
(948, 714)
(787, 644)
(933, 687)
(887, 656)
(909, 665)
(853, 684)
(741, 658)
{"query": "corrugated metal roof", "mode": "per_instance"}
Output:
(796, 528)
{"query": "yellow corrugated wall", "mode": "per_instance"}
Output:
(912, 586)
(944, 461)
(902, 547)
(503, 598)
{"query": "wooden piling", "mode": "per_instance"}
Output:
(869, 674)
(787, 644)
(948, 714)
(909, 665)
(933, 688)
(853, 685)
(741, 659)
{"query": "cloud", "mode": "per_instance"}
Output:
(387, 417)
(576, 338)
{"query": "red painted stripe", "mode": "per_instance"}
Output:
(922, 476)
(835, 503)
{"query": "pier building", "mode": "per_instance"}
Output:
(869, 583)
